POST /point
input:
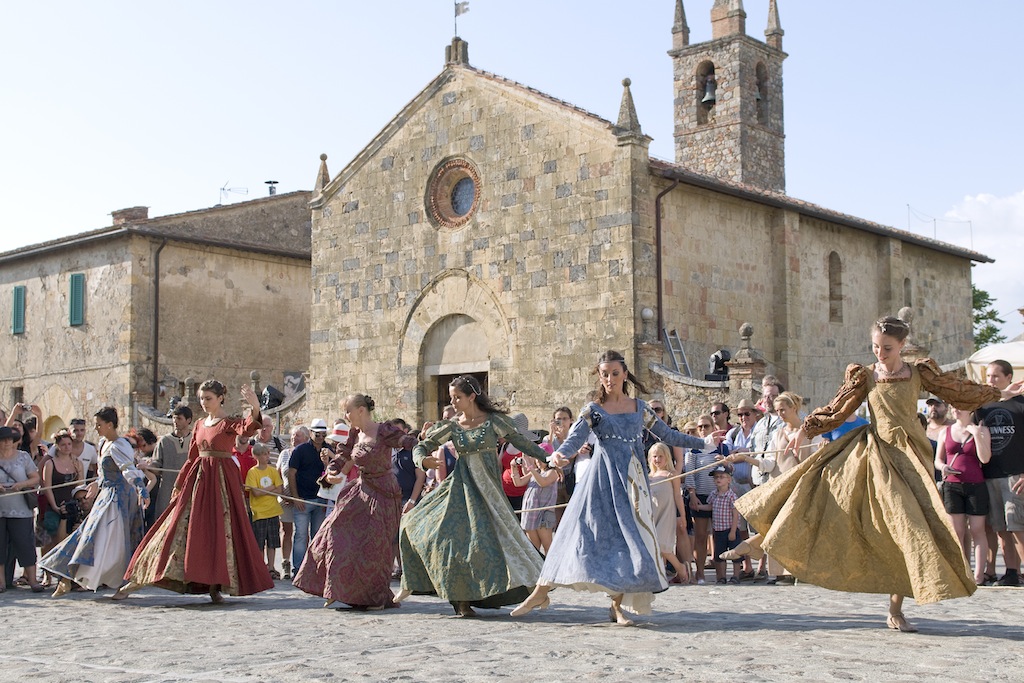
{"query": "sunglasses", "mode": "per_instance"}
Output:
(744, 414)
(719, 412)
(659, 410)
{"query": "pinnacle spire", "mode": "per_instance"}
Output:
(680, 31)
(628, 122)
(322, 176)
(773, 34)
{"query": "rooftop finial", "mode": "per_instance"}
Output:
(680, 31)
(322, 176)
(457, 52)
(628, 121)
(773, 34)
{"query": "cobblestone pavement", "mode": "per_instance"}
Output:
(747, 632)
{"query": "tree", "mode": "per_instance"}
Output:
(986, 319)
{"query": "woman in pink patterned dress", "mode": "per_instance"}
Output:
(350, 558)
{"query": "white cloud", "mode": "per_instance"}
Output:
(996, 229)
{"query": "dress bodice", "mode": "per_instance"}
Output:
(373, 458)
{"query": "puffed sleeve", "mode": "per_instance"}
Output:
(440, 433)
(124, 457)
(958, 392)
(506, 429)
(248, 426)
(847, 400)
(396, 438)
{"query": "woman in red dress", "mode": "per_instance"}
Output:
(351, 557)
(203, 542)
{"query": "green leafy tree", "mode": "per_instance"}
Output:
(986, 319)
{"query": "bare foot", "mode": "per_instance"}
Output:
(898, 622)
(464, 609)
(531, 603)
(616, 614)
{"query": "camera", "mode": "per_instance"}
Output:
(72, 513)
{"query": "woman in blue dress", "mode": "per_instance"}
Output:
(98, 551)
(607, 541)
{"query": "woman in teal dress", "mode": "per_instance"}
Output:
(463, 541)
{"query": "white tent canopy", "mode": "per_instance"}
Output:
(1011, 352)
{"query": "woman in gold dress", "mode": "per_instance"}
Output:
(863, 513)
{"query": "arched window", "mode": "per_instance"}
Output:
(908, 299)
(705, 90)
(835, 288)
(761, 96)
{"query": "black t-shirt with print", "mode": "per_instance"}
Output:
(1005, 422)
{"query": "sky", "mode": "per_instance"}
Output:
(905, 113)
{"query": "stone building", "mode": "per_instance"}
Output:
(495, 230)
(125, 314)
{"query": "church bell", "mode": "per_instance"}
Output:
(709, 90)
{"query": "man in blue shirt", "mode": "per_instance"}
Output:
(304, 469)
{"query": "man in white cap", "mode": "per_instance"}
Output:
(318, 432)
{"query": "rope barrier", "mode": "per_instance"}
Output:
(668, 479)
(40, 489)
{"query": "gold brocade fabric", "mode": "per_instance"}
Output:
(863, 514)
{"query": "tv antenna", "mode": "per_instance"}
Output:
(226, 191)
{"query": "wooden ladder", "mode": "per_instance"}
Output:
(675, 349)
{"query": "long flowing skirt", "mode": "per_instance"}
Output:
(464, 543)
(204, 538)
(350, 558)
(606, 541)
(861, 515)
(97, 552)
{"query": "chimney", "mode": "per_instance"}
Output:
(133, 215)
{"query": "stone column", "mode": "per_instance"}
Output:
(746, 369)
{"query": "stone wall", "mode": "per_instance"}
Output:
(69, 371)
(740, 138)
(728, 260)
(223, 311)
(545, 264)
(223, 314)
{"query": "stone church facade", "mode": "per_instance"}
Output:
(495, 230)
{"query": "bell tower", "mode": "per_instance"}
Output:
(728, 98)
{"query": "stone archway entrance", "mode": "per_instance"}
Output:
(451, 348)
(456, 327)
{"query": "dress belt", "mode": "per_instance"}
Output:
(214, 454)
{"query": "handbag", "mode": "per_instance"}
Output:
(31, 496)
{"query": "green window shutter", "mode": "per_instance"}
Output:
(77, 315)
(18, 318)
